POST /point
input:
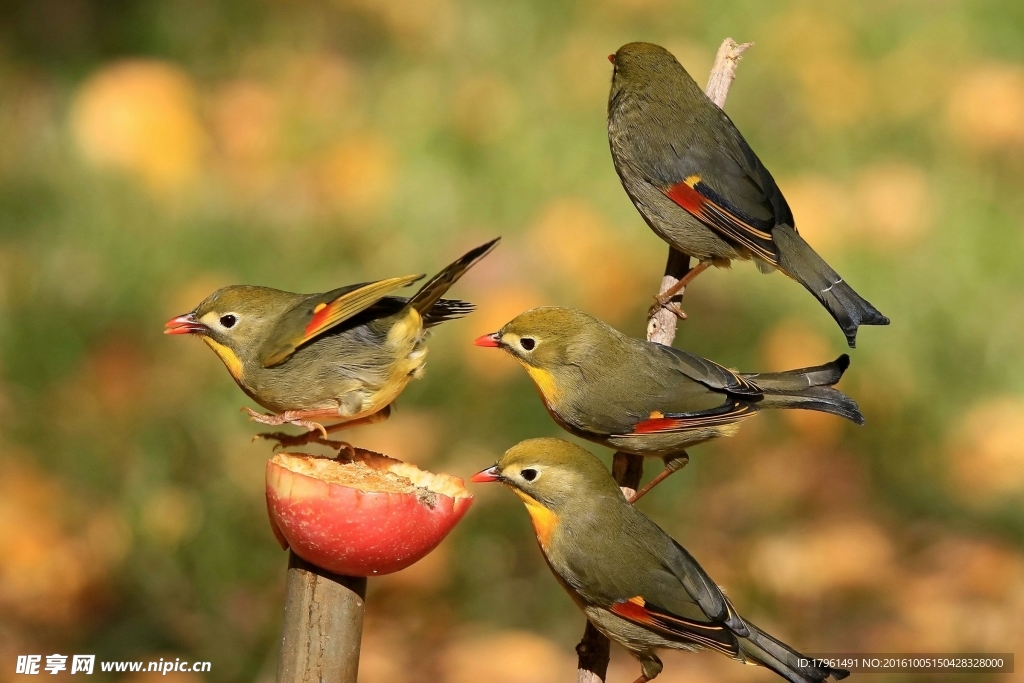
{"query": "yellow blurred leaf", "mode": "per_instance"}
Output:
(896, 200)
(986, 107)
(140, 116)
(985, 456)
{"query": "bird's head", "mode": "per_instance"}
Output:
(550, 473)
(634, 62)
(234, 321)
(548, 338)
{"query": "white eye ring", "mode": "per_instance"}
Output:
(228, 320)
(529, 474)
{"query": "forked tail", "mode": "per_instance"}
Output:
(808, 389)
(848, 308)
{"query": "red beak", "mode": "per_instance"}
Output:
(611, 58)
(185, 324)
(485, 476)
(488, 340)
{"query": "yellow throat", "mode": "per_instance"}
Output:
(231, 361)
(544, 520)
(544, 381)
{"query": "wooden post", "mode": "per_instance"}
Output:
(323, 625)
(594, 649)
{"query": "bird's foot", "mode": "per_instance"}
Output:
(665, 299)
(285, 440)
(667, 304)
(345, 446)
(674, 463)
(294, 417)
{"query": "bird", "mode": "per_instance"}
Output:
(635, 584)
(700, 187)
(341, 356)
(645, 398)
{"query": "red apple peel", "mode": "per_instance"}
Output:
(367, 516)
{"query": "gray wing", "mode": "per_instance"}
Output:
(706, 372)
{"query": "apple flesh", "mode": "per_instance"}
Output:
(362, 516)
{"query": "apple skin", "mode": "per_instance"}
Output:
(356, 533)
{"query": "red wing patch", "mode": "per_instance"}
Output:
(693, 195)
(321, 314)
(712, 635)
(658, 424)
(681, 423)
(633, 610)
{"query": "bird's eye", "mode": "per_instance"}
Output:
(527, 343)
(228, 320)
(528, 474)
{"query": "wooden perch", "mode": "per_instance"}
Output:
(323, 625)
(594, 648)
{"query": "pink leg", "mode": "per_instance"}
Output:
(664, 299)
(315, 436)
(673, 463)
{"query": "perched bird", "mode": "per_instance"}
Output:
(702, 189)
(636, 585)
(343, 356)
(648, 399)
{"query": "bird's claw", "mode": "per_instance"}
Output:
(311, 426)
(675, 463)
(287, 417)
(668, 305)
(294, 440)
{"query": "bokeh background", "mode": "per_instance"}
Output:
(153, 150)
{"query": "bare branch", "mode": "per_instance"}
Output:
(724, 70)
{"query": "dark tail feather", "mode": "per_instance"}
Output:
(797, 380)
(445, 310)
(429, 294)
(808, 389)
(784, 660)
(848, 308)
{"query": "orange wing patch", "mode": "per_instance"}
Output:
(688, 194)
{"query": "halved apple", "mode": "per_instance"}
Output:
(362, 516)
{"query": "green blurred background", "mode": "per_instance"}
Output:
(153, 150)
